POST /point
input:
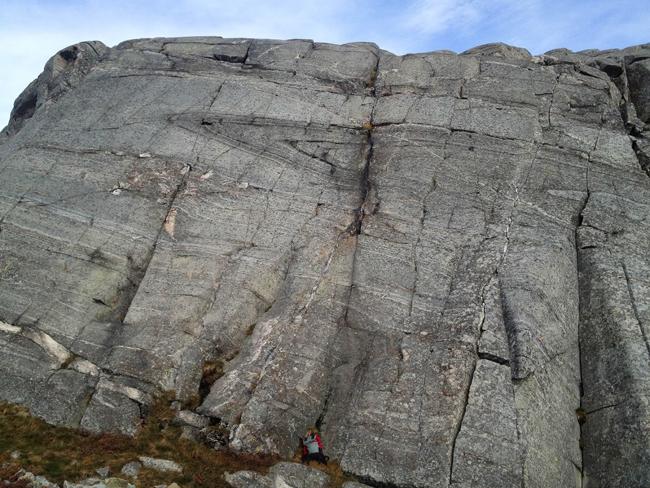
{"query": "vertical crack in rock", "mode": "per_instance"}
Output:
(323, 413)
(634, 307)
(482, 312)
(204, 120)
(340, 246)
(248, 50)
(642, 157)
(414, 249)
(519, 371)
(580, 358)
(167, 224)
(511, 331)
(550, 105)
(354, 228)
(460, 420)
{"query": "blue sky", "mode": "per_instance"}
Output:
(33, 30)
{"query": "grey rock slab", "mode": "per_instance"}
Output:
(615, 351)
(41, 482)
(64, 398)
(399, 348)
(638, 73)
(160, 464)
(411, 203)
(436, 74)
(493, 343)
(351, 63)
(292, 475)
(495, 120)
(95, 483)
(100, 271)
(187, 417)
(117, 483)
(312, 300)
(561, 56)
(111, 411)
(414, 109)
(500, 50)
(131, 469)
(248, 479)
(229, 50)
(298, 475)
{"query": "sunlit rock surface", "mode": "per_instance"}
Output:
(439, 259)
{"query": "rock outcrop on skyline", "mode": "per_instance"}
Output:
(440, 260)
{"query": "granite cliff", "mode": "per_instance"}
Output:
(439, 259)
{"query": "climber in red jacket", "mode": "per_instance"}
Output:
(312, 447)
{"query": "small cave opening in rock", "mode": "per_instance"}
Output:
(212, 371)
(69, 54)
(24, 109)
(612, 71)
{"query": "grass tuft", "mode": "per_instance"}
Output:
(68, 361)
(212, 371)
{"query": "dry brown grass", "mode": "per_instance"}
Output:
(212, 371)
(61, 453)
(333, 468)
(10, 474)
(373, 77)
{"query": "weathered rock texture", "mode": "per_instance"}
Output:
(285, 475)
(436, 258)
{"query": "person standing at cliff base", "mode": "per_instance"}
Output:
(312, 447)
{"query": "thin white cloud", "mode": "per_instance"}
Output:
(437, 16)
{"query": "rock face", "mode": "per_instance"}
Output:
(438, 259)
